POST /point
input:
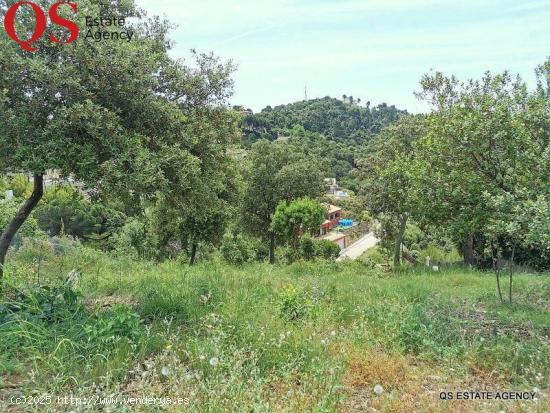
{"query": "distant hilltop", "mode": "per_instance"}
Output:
(337, 119)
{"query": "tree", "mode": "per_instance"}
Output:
(276, 172)
(110, 114)
(299, 217)
(386, 179)
(203, 185)
(485, 161)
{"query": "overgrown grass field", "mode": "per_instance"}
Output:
(307, 337)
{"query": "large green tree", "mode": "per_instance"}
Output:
(485, 167)
(386, 179)
(202, 191)
(276, 172)
(293, 219)
(111, 114)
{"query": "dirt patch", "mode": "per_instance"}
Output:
(10, 385)
(412, 386)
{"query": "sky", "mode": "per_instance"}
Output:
(373, 50)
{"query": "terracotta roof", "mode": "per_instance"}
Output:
(333, 208)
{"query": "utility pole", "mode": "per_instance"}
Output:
(305, 92)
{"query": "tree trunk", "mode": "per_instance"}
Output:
(399, 241)
(497, 271)
(193, 256)
(272, 248)
(468, 250)
(511, 272)
(19, 220)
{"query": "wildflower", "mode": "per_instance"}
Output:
(202, 358)
(333, 333)
(324, 342)
(378, 389)
(165, 371)
(214, 361)
(482, 339)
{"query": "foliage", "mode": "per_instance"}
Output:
(48, 303)
(301, 216)
(326, 249)
(386, 180)
(202, 183)
(132, 240)
(336, 119)
(236, 249)
(307, 247)
(8, 209)
(275, 173)
(494, 134)
(127, 120)
(20, 185)
(121, 322)
(76, 216)
(295, 303)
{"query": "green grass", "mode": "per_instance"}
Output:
(306, 337)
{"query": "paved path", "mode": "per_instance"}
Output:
(356, 249)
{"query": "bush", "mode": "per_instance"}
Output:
(307, 247)
(20, 186)
(294, 303)
(76, 216)
(131, 240)
(236, 249)
(290, 254)
(260, 249)
(326, 249)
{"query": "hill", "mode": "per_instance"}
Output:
(340, 120)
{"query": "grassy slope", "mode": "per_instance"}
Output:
(307, 337)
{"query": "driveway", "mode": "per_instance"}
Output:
(357, 249)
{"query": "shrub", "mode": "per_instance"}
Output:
(76, 216)
(294, 303)
(20, 185)
(236, 249)
(326, 249)
(290, 254)
(307, 248)
(130, 240)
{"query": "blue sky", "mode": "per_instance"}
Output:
(374, 50)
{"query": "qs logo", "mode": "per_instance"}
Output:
(40, 22)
